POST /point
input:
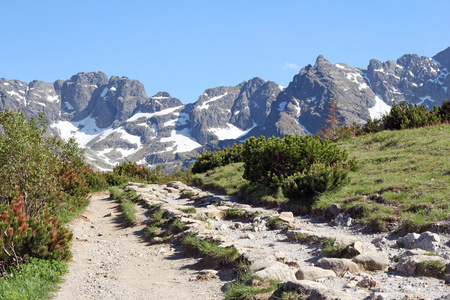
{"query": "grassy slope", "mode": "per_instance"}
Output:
(399, 183)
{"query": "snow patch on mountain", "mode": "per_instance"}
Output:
(379, 109)
(205, 105)
(282, 106)
(158, 113)
(182, 139)
(230, 132)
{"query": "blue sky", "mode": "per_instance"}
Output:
(185, 47)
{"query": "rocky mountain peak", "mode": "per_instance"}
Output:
(443, 58)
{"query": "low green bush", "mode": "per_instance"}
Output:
(221, 157)
(302, 166)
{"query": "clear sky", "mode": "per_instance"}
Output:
(186, 46)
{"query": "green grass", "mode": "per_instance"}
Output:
(400, 182)
(127, 203)
(129, 211)
(210, 250)
(227, 179)
(240, 290)
(36, 279)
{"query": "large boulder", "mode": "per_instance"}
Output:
(372, 261)
(422, 265)
(338, 265)
(313, 273)
(276, 271)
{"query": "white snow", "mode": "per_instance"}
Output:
(441, 77)
(170, 123)
(13, 93)
(205, 104)
(158, 113)
(426, 98)
(6, 83)
(341, 66)
(83, 131)
(69, 106)
(160, 98)
(183, 118)
(42, 104)
(297, 107)
(379, 70)
(303, 127)
(155, 128)
(281, 87)
(52, 98)
(230, 132)
(182, 139)
(379, 109)
(282, 106)
(103, 94)
(353, 77)
(236, 112)
(143, 124)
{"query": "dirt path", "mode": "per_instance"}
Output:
(111, 261)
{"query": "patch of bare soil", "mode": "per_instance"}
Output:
(113, 261)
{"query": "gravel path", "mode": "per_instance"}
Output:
(111, 261)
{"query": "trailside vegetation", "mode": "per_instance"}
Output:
(222, 157)
(302, 166)
(43, 183)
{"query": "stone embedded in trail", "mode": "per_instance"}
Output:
(408, 240)
(360, 247)
(275, 271)
(313, 273)
(372, 261)
(287, 217)
(419, 265)
(338, 265)
(427, 241)
(316, 290)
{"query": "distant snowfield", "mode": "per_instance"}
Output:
(158, 113)
(379, 109)
(230, 132)
(182, 139)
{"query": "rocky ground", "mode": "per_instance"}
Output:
(116, 262)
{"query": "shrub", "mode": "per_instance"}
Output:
(23, 236)
(407, 115)
(302, 166)
(96, 180)
(211, 160)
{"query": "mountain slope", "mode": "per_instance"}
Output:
(115, 120)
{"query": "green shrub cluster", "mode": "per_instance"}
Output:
(211, 160)
(23, 236)
(131, 171)
(301, 166)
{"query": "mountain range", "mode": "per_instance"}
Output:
(115, 120)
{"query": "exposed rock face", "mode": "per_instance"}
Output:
(115, 120)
